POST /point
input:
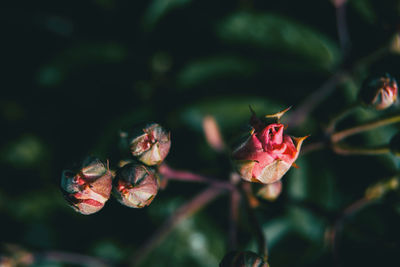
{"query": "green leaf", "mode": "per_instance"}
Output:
(311, 184)
(196, 241)
(276, 229)
(212, 68)
(278, 33)
(77, 57)
(158, 8)
(307, 224)
(24, 152)
(365, 9)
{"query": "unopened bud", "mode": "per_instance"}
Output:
(379, 93)
(270, 191)
(268, 153)
(88, 188)
(151, 144)
(379, 189)
(242, 259)
(135, 185)
(13, 255)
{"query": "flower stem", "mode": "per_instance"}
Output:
(298, 116)
(257, 230)
(341, 22)
(186, 176)
(348, 150)
(341, 115)
(364, 127)
(337, 227)
(311, 147)
(233, 215)
(179, 215)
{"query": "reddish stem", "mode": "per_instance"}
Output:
(234, 215)
(338, 225)
(186, 176)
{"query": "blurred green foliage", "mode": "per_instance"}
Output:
(76, 73)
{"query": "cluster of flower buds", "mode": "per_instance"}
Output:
(135, 184)
(88, 188)
(379, 92)
(268, 153)
(242, 259)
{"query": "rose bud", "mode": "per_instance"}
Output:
(379, 93)
(270, 192)
(151, 144)
(394, 145)
(135, 185)
(88, 189)
(242, 259)
(267, 154)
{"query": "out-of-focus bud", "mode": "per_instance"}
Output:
(242, 259)
(135, 185)
(379, 93)
(13, 255)
(394, 145)
(268, 153)
(270, 192)
(395, 44)
(379, 189)
(151, 144)
(87, 189)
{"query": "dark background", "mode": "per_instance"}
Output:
(75, 73)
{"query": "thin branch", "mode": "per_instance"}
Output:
(233, 215)
(311, 102)
(341, 23)
(337, 228)
(341, 115)
(171, 174)
(179, 215)
(311, 147)
(256, 227)
(364, 127)
(348, 150)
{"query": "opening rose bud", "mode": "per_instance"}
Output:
(87, 189)
(267, 154)
(379, 93)
(135, 185)
(242, 259)
(151, 144)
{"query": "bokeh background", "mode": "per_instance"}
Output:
(76, 73)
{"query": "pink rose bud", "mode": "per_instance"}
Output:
(379, 93)
(270, 192)
(135, 185)
(151, 144)
(88, 189)
(268, 153)
(242, 259)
